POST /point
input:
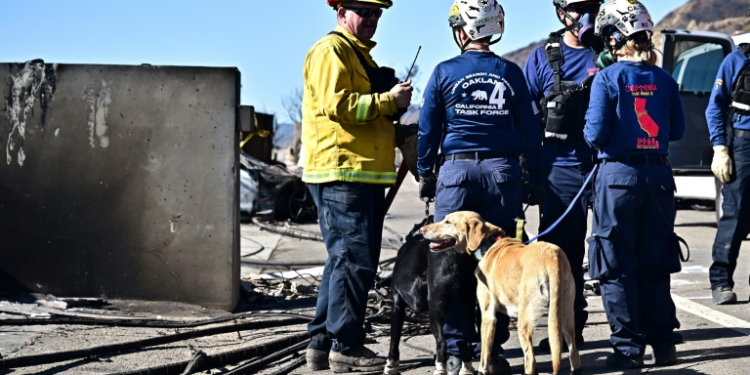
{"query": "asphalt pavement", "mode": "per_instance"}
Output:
(717, 338)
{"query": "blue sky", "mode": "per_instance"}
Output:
(266, 40)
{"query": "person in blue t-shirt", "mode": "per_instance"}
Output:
(731, 165)
(567, 162)
(634, 112)
(477, 110)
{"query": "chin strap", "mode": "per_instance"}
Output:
(574, 27)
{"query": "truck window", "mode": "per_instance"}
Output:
(696, 65)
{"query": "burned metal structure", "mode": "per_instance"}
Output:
(120, 182)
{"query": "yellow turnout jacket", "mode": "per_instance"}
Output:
(345, 131)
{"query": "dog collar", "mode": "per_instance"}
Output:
(480, 252)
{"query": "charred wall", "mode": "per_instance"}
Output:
(120, 182)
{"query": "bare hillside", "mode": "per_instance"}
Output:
(725, 16)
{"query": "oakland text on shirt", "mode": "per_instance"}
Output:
(483, 87)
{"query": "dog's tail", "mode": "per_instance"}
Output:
(561, 323)
(556, 305)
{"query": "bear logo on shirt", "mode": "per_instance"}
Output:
(479, 95)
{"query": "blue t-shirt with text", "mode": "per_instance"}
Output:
(477, 101)
(634, 109)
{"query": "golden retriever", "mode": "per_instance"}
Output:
(521, 281)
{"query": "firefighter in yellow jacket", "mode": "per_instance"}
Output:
(349, 145)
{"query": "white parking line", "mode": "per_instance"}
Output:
(708, 313)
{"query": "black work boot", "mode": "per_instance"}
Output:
(723, 295)
(618, 361)
(665, 356)
(317, 353)
(362, 359)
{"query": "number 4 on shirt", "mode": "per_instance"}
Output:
(498, 95)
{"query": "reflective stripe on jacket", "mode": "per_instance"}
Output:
(345, 131)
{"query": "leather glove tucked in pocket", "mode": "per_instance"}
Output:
(427, 188)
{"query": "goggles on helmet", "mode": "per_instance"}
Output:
(583, 8)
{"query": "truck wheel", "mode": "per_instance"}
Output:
(719, 201)
(302, 207)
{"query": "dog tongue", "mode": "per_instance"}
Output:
(439, 244)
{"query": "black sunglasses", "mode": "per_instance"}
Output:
(583, 8)
(365, 12)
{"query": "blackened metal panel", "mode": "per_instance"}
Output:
(120, 182)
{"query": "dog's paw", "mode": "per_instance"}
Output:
(467, 368)
(576, 372)
(440, 369)
(391, 368)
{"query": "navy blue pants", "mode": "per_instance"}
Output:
(735, 221)
(492, 188)
(632, 252)
(562, 185)
(351, 219)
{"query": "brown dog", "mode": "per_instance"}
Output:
(521, 281)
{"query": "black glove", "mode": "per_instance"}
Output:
(427, 188)
(533, 193)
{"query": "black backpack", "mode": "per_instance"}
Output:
(741, 91)
(564, 108)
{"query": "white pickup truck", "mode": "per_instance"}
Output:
(693, 58)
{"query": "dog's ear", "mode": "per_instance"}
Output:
(476, 231)
(497, 231)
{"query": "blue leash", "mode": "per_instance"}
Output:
(585, 184)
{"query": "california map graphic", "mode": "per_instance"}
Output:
(644, 119)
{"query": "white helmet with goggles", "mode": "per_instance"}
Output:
(626, 16)
(478, 18)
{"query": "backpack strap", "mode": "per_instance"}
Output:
(554, 53)
(745, 48)
(742, 84)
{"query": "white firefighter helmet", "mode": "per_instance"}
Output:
(627, 16)
(478, 18)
